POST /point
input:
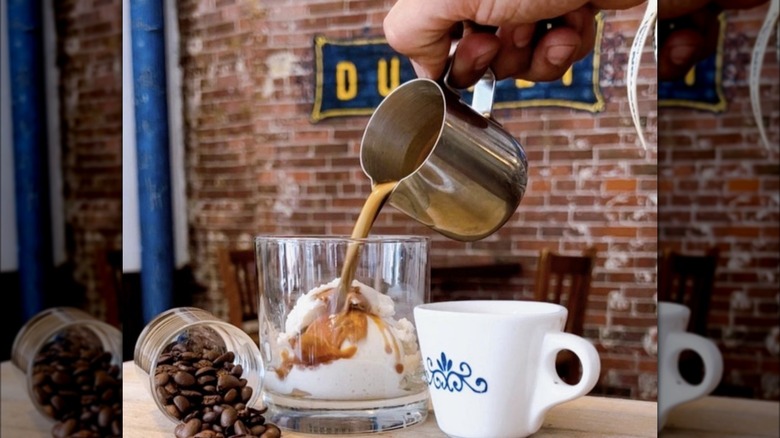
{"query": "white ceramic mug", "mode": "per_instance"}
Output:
(490, 365)
(673, 339)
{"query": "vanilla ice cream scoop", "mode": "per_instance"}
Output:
(361, 352)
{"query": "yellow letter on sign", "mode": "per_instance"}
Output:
(346, 80)
(383, 87)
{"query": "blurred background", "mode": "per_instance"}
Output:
(718, 195)
(60, 222)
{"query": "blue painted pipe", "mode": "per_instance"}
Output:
(28, 114)
(154, 178)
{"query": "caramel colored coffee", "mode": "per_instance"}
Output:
(368, 215)
(321, 341)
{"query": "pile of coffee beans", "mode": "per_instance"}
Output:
(74, 382)
(204, 389)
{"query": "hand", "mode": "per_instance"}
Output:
(688, 32)
(421, 30)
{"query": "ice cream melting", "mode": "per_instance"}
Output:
(362, 340)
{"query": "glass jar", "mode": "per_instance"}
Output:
(198, 331)
(42, 337)
(342, 366)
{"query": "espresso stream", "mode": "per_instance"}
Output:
(349, 313)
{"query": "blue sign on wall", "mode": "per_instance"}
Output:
(702, 87)
(353, 76)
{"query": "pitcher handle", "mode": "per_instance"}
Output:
(484, 89)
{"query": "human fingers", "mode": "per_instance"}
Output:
(677, 8)
(686, 42)
(554, 52)
(420, 29)
(615, 4)
(472, 57)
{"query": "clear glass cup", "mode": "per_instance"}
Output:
(353, 369)
(198, 329)
(59, 325)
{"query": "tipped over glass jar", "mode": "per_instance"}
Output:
(203, 373)
(72, 363)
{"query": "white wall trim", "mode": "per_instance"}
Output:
(176, 135)
(131, 228)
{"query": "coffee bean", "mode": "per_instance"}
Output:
(75, 384)
(228, 417)
(188, 429)
(271, 431)
(205, 370)
(105, 416)
(173, 411)
(107, 395)
(211, 400)
(227, 381)
(210, 417)
(171, 388)
(64, 429)
(190, 416)
(161, 379)
(206, 385)
(103, 379)
(231, 396)
(246, 394)
(182, 404)
(60, 378)
(239, 428)
(39, 378)
(184, 379)
(226, 357)
(188, 355)
(192, 394)
(162, 394)
(205, 380)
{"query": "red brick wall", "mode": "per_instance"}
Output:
(719, 186)
(89, 50)
(255, 164)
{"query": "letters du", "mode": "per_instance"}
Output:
(388, 77)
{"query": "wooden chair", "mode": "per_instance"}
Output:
(688, 280)
(239, 276)
(558, 277)
(108, 269)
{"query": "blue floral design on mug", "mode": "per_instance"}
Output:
(444, 377)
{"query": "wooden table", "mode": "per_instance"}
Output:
(724, 417)
(585, 417)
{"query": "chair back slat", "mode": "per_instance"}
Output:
(570, 278)
(689, 280)
(239, 275)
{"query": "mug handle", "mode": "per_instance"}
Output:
(676, 343)
(551, 390)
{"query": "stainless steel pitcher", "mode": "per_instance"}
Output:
(458, 171)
